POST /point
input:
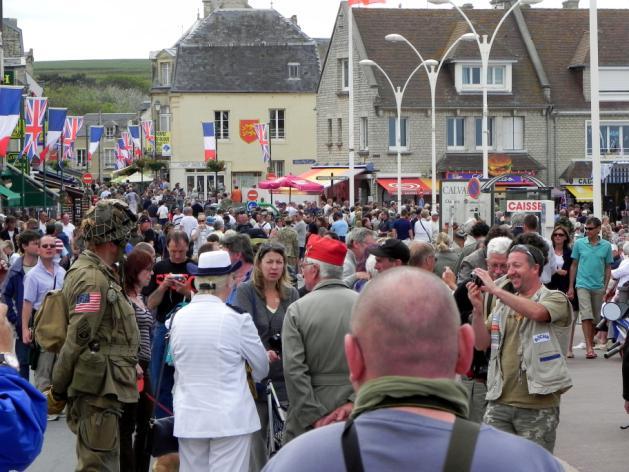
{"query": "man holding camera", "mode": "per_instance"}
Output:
(527, 331)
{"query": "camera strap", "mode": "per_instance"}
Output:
(458, 458)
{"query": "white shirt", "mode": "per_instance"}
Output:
(177, 220)
(69, 231)
(423, 230)
(162, 212)
(189, 223)
(622, 272)
(210, 345)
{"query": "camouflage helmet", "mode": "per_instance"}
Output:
(108, 220)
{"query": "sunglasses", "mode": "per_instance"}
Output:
(590, 228)
(560, 234)
(48, 246)
(529, 251)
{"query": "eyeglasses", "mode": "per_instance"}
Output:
(590, 228)
(201, 221)
(559, 234)
(48, 246)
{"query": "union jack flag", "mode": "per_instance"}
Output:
(70, 131)
(147, 128)
(262, 132)
(34, 112)
(122, 154)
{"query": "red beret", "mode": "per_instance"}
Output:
(326, 250)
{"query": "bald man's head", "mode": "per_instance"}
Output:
(415, 332)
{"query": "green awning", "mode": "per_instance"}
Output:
(13, 199)
(32, 190)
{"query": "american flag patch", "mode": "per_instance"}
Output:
(87, 302)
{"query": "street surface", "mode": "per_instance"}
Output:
(589, 436)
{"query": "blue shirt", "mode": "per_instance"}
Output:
(340, 228)
(38, 282)
(593, 259)
(402, 227)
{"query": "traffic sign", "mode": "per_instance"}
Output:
(251, 205)
(252, 195)
(332, 177)
(88, 178)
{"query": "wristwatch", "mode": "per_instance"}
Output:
(9, 359)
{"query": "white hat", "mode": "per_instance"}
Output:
(213, 263)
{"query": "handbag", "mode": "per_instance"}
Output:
(160, 438)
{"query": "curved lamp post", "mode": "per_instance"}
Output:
(399, 95)
(484, 47)
(433, 75)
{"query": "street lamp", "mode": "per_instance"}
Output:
(399, 95)
(433, 75)
(157, 105)
(485, 48)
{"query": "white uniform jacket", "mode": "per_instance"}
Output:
(210, 345)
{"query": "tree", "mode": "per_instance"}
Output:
(216, 167)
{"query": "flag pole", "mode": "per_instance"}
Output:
(350, 120)
(141, 157)
(22, 195)
(100, 156)
(43, 162)
(60, 163)
(87, 147)
(270, 160)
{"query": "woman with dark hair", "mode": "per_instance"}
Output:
(266, 297)
(138, 269)
(561, 278)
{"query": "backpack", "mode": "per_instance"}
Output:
(50, 324)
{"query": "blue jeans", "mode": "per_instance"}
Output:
(165, 395)
(22, 352)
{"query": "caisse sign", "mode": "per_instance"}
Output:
(534, 206)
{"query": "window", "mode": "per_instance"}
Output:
(110, 158)
(81, 157)
(479, 131)
(614, 139)
(164, 73)
(277, 167)
(513, 133)
(364, 134)
(110, 132)
(403, 134)
(456, 133)
(339, 131)
(330, 138)
(221, 124)
(495, 75)
(468, 77)
(614, 84)
(164, 118)
(293, 71)
(344, 64)
(277, 124)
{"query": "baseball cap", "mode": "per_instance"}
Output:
(393, 249)
(326, 250)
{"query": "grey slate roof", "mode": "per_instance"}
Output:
(245, 50)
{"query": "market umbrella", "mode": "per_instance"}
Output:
(291, 182)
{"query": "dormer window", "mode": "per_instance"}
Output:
(468, 77)
(164, 73)
(293, 71)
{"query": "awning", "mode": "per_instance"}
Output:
(499, 163)
(582, 193)
(134, 178)
(13, 199)
(410, 186)
(343, 173)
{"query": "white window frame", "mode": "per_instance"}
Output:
(110, 132)
(455, 146)
(505, 126)
(165, 81)
(363, 134)
(614, 84)
(164, 119)
(109, 158)
(404, 134)
(491, 128)
(294, 71)
(221, 124)
(277, 167)
(505, 87)
(81, 157)
(276, 131)
(623, 126)
(344, 65)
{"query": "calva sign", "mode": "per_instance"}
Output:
(533, 206)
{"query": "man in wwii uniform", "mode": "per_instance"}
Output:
(96, 368)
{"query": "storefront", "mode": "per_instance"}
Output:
(335, 180)
(413, 188)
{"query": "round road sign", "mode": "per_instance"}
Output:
(88, 179)
(252, 195)
(251, 205)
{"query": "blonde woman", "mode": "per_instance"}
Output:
(444, 255)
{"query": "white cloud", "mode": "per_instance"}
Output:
(86, 29)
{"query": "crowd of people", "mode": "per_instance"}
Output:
(199, 310)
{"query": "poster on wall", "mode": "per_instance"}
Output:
(462, 200)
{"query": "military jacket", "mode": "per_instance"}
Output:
(101, 348)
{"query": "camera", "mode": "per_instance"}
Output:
(275, 343)
(178, 277)
(477, 280)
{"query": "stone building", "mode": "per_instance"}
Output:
(538, 95)
(236, 66)
(18, 62)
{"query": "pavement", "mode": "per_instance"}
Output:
(589, 436)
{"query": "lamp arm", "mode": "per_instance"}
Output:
(386, 76)
(467, 20)
(504, 17)
(445, 54)
(423, 64)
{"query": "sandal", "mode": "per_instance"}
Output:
(591, 355)
(570, 355)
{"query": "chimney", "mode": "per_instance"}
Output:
(570, 4)
(501, 4)
(467, 6)
(208, 7)
(293, 20)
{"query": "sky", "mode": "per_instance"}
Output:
(129, 29)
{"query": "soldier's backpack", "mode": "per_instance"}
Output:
(50, 325)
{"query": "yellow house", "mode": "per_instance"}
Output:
(235, 67)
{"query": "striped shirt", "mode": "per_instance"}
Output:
(145, 322)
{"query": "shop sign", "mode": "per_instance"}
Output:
(581, 181)
(534, 206)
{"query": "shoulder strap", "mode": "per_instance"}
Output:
(161, 368)
(462, 445)
(351, 448)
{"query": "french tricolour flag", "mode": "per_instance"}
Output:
(209, 141)
(10, 98)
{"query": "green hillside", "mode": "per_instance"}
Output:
(96, 68)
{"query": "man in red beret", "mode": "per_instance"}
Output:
(315, 369)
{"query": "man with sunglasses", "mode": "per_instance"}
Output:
(591, 270)
(528, 333)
